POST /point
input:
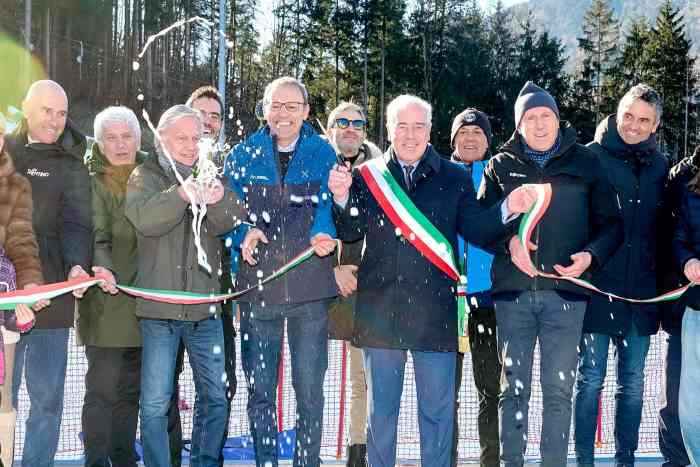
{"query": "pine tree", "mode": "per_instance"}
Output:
(669, 69)
(631, 65)
(598, 47)
(502, 48)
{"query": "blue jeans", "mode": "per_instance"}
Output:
(670, 436)
(204, 342)
(629, 394)
(262, 328)
(435, 390)
(43, 355)
(556, 323)
(688, 407)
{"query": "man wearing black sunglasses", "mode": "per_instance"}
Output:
(347, 133)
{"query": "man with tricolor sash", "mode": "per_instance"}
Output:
(580, 229)
(410, 206)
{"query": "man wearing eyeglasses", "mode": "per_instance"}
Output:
(347, 133)
(282, 173)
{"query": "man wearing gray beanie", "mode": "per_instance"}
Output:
(578, 232)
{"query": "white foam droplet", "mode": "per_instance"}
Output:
(216, 350)
(266, 216)
(135, 65)
(139, 97)
(259, 274)
(354, 212)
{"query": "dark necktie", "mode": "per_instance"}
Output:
(408, 176)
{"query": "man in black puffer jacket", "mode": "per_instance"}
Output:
(626, 147)
(49, 151)
(580, 229)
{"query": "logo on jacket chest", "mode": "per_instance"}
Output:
(34, 172)
(517, 175)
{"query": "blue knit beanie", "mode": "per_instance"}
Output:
(531, 96)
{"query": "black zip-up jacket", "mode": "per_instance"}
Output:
(62, 214)
(686, 241)
(637, 174)
(669, 275)
(583, 214)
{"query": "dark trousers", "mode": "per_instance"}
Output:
(228, 313)
(670, 438)
(486, 368)
(111, 408)
(556, 323)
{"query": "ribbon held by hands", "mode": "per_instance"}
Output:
(527, 227)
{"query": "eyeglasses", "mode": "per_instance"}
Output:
(290, 106)
(343, 123)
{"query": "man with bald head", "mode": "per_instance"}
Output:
(49, 151)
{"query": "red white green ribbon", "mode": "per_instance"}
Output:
(407, 218)
(9, 300)
(527, 227)
(412, 224)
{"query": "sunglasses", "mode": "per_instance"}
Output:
(343, 123)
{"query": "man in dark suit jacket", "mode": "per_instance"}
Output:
(405, 301)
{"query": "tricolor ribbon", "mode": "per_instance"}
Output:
(529, 223)
(9, 300)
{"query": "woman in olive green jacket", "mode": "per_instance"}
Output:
(107, 323)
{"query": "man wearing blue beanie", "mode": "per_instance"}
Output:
(578, 232)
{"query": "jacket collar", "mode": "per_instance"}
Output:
(71, 141)
(514, 146)
(608, 137)
(429, 161)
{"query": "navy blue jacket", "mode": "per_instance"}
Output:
(686, 241)
(403, 300)
(290, 212)
(637, 173)
(670, 276)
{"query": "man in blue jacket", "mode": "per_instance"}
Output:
(282, 172)
(471, 138)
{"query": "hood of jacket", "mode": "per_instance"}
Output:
(7, 167)
(113, 176)
(71, 141)
(609, 138)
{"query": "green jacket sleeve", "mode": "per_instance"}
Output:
(223, 216)
(102, 228)
(152, 210)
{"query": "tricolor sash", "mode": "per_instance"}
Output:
(415, 227)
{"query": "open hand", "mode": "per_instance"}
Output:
(580, 262)
(250, 245)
